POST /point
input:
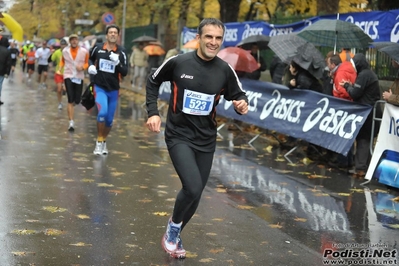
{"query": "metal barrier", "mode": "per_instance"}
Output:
(377, 104)
(375, 118)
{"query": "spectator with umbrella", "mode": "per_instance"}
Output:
(307, 68)
(255, 43)
(155, 55)
(302, 79)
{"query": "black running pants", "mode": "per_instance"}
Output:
(193, 168)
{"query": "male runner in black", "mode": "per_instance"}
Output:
(198, 79)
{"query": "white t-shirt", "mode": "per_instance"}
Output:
(42, 55)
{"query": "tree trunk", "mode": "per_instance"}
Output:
(182, 20)
(327, 7)
(201, 11)
(229, 10)
(387, 4)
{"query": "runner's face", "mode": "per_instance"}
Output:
(74, 42)
(112, 35)
(209, 42)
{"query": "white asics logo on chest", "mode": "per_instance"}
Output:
(184, 76)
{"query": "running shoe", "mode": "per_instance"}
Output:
(99, 148)
(105, 150)
(71, 126)
(170, 238)
(180, 252)
(60, 106)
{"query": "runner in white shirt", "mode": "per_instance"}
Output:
(42, 55)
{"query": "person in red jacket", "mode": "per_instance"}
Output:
(341, 71)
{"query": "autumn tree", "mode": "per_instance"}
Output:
(229, 10)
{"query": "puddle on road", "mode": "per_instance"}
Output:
(310, 201)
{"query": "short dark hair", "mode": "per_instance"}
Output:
(335, 59)
(112, 26)
(210, 21)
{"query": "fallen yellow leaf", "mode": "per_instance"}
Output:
(300, 219)
(238, 190)
(395, 199)
(145, 200)
(321, 195)
(80, 244)
(24, 232)
(215, 251)
(116, 191)
(306, 161)
(357, 190)
(161, 213)
(104, 185)
(87, 180)
(117, 174)
(344, 194)
(22, 253)
(53, 232)
(317, 176)
(394, 226)
(31, 221)
(53, 209)
(125, 188)
(269, 149)
(191, 255)
(283, 171)
(304, 173)
(83, 216)
(244, 207)
(221, 190)
(275, 226)
(381, 191)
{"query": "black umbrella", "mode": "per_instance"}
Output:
(310, 59)
(285, 46)
(260, 40)
(145, 38)
(389, 48)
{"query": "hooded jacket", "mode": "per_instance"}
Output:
(5, 57)
(366, 88)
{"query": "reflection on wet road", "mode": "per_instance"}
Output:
(61, 205)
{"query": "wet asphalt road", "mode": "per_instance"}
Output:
(62, 205)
